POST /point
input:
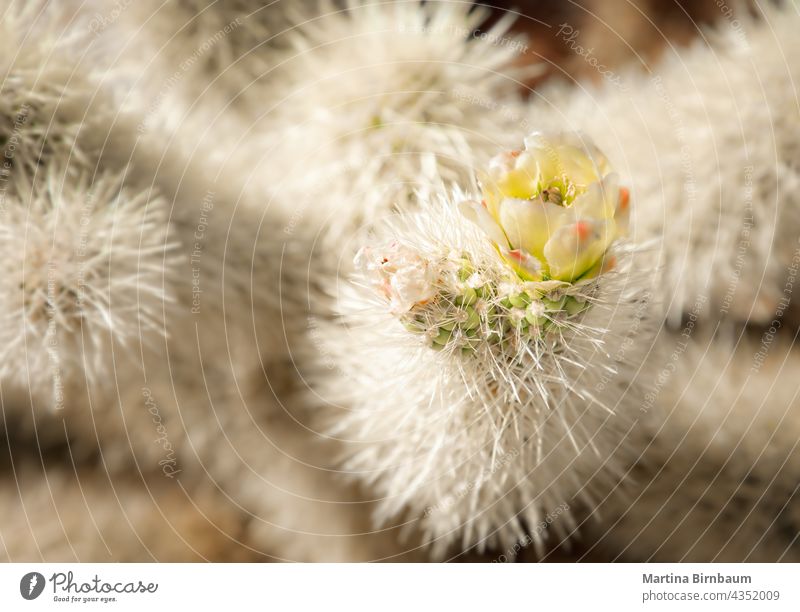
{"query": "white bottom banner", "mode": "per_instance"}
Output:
(399, 587)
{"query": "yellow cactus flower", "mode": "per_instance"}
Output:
(552, 209)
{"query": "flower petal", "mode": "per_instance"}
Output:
(571, 154)
(411, 285)
(576, 248)
(478, 214)
(622, 214)
(525, 265)
(513, 174)
(600, 200)
(528, 224)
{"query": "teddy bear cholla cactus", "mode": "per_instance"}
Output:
(83, 267)
(366, 95)
(717, 478)
(84, 252)
(91, 246)
(178, 59)
(556, 245)
(642, 160)
(710, 143)
(713, 171)
(184, 413)
(479, 385)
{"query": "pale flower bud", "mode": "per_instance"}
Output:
(400, 274)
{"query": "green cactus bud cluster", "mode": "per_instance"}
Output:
(470, 312)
